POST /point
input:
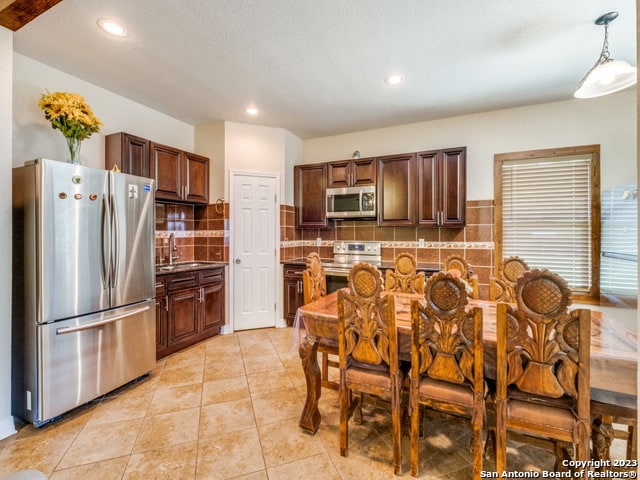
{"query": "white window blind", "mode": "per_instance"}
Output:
(546, 216)
(619, 250)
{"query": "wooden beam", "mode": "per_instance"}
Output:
(17, 13)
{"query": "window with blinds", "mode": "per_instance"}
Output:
(548, 214)
(619, 251)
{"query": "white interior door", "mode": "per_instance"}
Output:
(253, 222)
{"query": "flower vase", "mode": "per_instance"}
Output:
(74, 150)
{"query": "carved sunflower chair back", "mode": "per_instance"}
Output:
(542, 384)
(314, 285)
(501, 287)
(368, 351)
(403, 277)
(446, 361)
(457, 263)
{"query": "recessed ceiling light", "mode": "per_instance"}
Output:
(393, 79)
(252, 110)
(112, 27)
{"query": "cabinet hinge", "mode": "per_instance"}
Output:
(274, 307)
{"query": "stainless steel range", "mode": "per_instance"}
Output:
(345, 255)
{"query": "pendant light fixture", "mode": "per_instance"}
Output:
(607, 75)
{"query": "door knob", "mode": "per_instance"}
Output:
(237, 261)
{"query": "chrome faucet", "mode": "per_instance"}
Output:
(172, 248)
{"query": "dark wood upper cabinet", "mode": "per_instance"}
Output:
(167, 169)
(348, 173)
(197, 178)
(396, 187)
(309, 191)
(129, 153)
(180, 176)
(442, 187)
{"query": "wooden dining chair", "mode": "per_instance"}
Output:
(314, 285)
(542, 384)
(446, 361)
(457, 263)
(501, 287)
(607, 409)
(368, 351)
(404, 278)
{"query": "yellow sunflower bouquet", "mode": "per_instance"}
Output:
(69, 113)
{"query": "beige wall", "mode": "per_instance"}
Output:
(609, 121)
(6, 62)
(209, 141)
(33, 136)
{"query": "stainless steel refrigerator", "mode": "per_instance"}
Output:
(83, 285)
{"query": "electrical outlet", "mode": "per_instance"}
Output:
(421, 242)
(318, 241)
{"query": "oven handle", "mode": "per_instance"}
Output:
(99, 323)
(336, 272)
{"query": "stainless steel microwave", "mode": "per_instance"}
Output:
(351, 202)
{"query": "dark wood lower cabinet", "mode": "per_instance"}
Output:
(293, 293)
(191, 310)
(162, 310)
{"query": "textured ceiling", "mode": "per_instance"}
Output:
(317, 67)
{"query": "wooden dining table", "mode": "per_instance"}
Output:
(614, 347)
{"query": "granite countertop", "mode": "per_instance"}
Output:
(186, 267)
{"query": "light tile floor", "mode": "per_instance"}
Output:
(228, 408)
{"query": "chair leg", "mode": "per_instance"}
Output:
(396, 429)
(325, 367)
(415, 434)
(632, 443)
(564, 452)
(501, 444)
(345, 397)
(477, 426)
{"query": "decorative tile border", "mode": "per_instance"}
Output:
(395, 244)
(192, 233)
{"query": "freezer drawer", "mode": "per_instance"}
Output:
(83, 358)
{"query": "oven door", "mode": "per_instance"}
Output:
(336, 278)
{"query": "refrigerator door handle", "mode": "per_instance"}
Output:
(116, 241)
(105, 238)
(99, 323)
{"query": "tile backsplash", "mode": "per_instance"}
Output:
(474, 241)
(202, 233)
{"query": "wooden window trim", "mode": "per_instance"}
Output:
(594, 151)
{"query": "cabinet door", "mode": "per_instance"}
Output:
(161, 325)
(338, 174)
(396, 185)
(442, 188)
(364, 171)
(428, 209)
(196, 175)
(212, 309)
(310, 189)
(162, 307)
(349, 173)
(453, 187)
(166, 165)
(128, 152)
(184, 309)
(293, 292)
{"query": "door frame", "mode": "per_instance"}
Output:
(279, 321)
